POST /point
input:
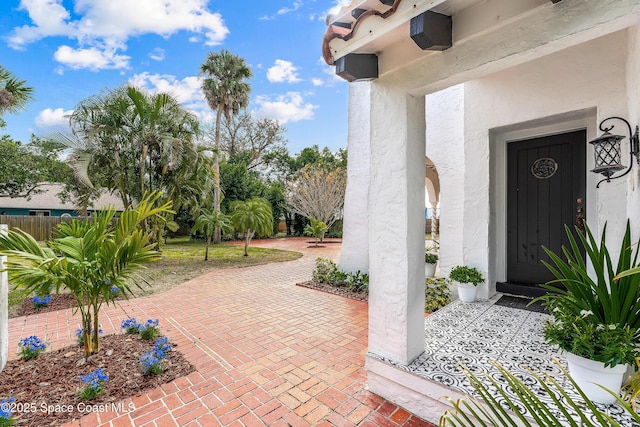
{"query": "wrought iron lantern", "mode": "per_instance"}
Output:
(608, 151)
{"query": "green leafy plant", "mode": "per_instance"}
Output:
(430, 258)
(316, 228)
(6, 412)
(324, 267)
(87, 257)
(464, 274)
(496, 408)
(251, 217)
(605, 306)
(149, 330)
(358, 281)
(327, 271)
(436, 293)
(207, 222)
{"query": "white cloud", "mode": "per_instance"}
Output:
(317, 82)
(338, 4)
(283, 11)
(106, 24)
(93, 58)
(283, 71)
(157, 54)
(285, 108)
(49, 119)
(187, 90)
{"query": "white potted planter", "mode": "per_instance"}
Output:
(588, 373)
(430, 262)
(467, 279)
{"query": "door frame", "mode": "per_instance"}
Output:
(499, 138)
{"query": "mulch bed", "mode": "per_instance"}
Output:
(48, 385)
(336, 290)
(58, 302)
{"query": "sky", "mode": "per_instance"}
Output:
(69, 50)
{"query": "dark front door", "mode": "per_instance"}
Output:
(545, 191)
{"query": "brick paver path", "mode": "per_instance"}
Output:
(267, 352)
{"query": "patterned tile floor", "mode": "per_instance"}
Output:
(474, 334)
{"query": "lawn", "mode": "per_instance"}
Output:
(182, 260)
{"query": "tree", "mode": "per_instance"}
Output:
(208, 221)
(226, 93)
(252, 217)
(251, 139)
(23, 168)
(14, 93)
(316, 228)
(132, 142)
(316, 192)
(87, 257)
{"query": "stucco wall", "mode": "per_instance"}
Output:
(633, 97)
(591, 75)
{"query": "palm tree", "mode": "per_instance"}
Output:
(252, 217)
(88, 258)
(14, 94)
(316, 229)
(226, 93)
(208, 221)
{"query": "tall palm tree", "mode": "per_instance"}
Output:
(226, 93)
(252, 217)
(14, 94)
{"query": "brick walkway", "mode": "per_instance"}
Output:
(267, 352)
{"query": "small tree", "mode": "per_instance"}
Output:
(208, 221)
(88, 258)
(318, 192)
(252, 217)
(316, 229)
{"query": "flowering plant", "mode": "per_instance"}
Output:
(152, 361)
(40, 301)
(149, 330)
(94, 384)
(6, 412)
(30, 347)
(596, 317)
(130, 326)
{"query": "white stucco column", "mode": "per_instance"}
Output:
(354, 254)
(396, 224)
(633, 99)
(4, 309)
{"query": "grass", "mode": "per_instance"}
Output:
(183, 260)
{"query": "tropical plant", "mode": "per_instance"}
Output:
(207, 222)
(252, 217)
(465, 274)
(133, 143)
(316, 228)
(88, 258)
(14, 93)
(94, 384)
(226, 92)
(604, 305)
(436, 293)
(497, 408)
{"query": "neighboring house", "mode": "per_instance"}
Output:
(47, 203)
(503, 96)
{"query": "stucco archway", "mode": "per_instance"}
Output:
(432, 194)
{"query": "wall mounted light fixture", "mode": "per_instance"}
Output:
(607, 151)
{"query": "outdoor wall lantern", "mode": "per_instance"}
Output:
(607, 151)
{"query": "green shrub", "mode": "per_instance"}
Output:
(327, 271)
(358, 281)
(464, 274)
(436, 293)
(323, 270)
(430, 258)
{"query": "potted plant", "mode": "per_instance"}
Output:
(430, 261)
(467, 279)
(596, 319)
